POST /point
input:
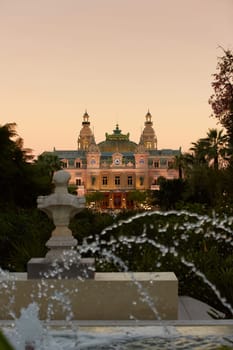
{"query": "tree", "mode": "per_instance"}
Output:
(171, 192)
(198, 150)
(184, 163)
(15, 167)
(21, 180)
(217, 147)
(205, 179)
(222, 99)
(179, 164)
(204, 185)
(95, 197)
(211, 150)
(138, 197)
(48, 163)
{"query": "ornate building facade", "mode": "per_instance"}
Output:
(117, 166)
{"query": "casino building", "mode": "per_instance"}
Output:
(117, 166)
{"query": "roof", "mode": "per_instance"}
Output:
(117, 142)
(164, 152)
(123, 148)
(72, 154)
(125, 154)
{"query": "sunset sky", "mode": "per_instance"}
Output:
(115, 59)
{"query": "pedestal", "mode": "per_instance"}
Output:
(38, 268)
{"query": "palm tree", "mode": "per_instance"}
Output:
(12, 146)
(199, 152)
(15, 174)
(211, 150)
(217, 146)
(184, 163)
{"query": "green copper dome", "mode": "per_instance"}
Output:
(117, 142)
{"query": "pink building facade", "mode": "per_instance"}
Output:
(117, 166)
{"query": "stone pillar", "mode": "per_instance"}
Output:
(123, 201)
(111, 204)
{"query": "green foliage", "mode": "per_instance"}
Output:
(222, 99)
(198, 249)
(21, 180)
(4, 344)
(88, 224)
(15, 171)
(204, 185)
(137, 196)
(148, 241)
(47, 163)
(23, 234)
(171, 192)
(211, 150)
(95, 196)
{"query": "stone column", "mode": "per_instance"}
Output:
(123, 200)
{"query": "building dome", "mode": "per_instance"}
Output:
(148, 137)
(117, 142)
(86, 131)
(85, 135)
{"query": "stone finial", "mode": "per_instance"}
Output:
(60, 207)
(61, 179)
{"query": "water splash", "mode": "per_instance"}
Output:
(29, 329)
(107, 246)
(204, 225)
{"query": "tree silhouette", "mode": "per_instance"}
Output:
(222, 99)
(211, 150)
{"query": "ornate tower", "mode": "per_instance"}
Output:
(85, 136)
(148, 138)
(93, 154)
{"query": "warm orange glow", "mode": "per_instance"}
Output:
(114, 58)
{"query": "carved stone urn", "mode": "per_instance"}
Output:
(60, 207)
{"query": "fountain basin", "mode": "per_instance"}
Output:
(109, 296)
(148, 335)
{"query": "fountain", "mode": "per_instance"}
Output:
(72, 306)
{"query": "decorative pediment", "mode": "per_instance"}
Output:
(117, 158)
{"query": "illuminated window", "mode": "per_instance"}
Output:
(64, 164)
(85, 145)
(117, 180)
(104, 180)
(148, 144)
(130, 180)
(78, 182)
